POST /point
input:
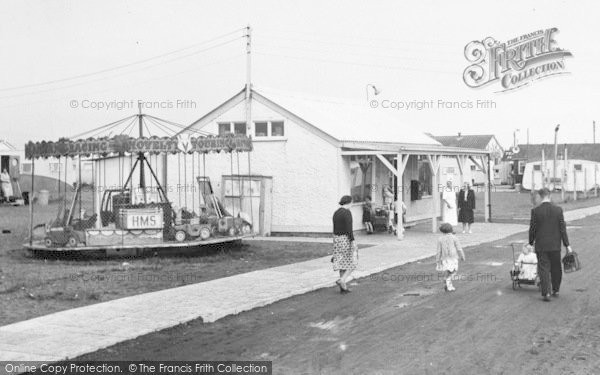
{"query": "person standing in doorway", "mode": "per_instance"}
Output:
(345, 251)
(547, 229)
(7, 190)
(449, 201)
(466, 205)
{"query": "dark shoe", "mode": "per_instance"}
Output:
(546, 298)
(339, 283)
(346, 291)
(555, 294)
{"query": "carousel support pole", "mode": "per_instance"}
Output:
(31, 202)
(141, 156)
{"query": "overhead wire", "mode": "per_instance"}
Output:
(121, 74)
(125, 65)
(354, 63)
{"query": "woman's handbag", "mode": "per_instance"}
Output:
(571, 262)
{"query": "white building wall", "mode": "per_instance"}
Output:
(585, 179)
(309, 175)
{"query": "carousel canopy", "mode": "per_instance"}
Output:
(99, 141)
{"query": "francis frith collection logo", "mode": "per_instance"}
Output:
(515, 63)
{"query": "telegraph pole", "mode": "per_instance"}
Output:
(248, 78)
(594, 131)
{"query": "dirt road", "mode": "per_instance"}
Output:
(402, 322)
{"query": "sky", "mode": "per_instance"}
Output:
(63, 60)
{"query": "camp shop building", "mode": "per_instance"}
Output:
(309, 152)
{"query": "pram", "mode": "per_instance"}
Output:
(380, 219)
(516, 272)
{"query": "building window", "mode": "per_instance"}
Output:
(473, 168)
(424, 177)
(261, 129)
(578, 167)
(26, 167)
(450, 170)
(361, 181)
(240, 128)
(521, 166)
(224, 128)
(277, 129)
(537, 167)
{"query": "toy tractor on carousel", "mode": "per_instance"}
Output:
(213, 221)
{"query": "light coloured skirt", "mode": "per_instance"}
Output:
(344, 257)
(449, 264)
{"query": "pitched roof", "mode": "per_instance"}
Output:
(464, 141)
(348, 121)
(6, 146)
(533, 152)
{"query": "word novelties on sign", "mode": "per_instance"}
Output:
(123, 143)
(515, 63)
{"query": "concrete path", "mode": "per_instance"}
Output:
(68, 334)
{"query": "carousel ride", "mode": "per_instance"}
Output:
(147, 192)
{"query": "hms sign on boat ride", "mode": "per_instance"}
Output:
(518, 62)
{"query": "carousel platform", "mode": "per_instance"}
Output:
(133, 249)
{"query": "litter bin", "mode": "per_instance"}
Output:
(25, 196)
(43, 197)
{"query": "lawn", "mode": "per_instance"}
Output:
(31, 286)
(510, 206)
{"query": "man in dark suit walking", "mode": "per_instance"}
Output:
(547, 229)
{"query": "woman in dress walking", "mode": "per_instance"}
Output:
(345, 254)
(449, 201)
(466, 205)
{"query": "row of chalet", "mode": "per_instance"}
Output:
(577, 166)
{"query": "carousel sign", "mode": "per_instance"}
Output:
(123, 143)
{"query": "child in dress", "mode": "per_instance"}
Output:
(448, 253)
(526, 264)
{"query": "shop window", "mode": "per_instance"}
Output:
(277, 129)
(261, 129)
(425, 177)
(361, 181)
(240, 128)
(224, 128)
(521, 167)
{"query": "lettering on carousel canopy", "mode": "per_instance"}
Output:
(125, 144)
(515, 63)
